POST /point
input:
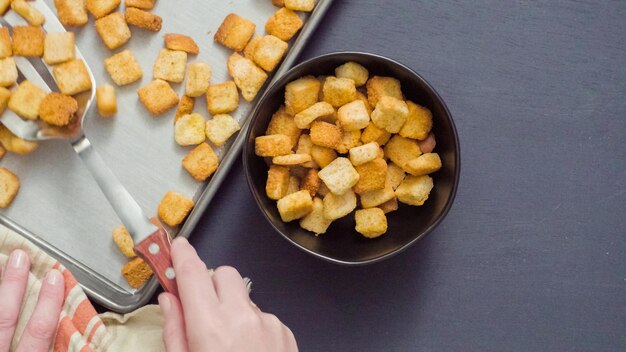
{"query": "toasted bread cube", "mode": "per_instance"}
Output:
(124, 241)
(339, 175)
(136, 272)
(106, 100)
(325, 134)
(170, 65)
(372, 176)
(58, 47)
(4, 6)
(304, 118)
(277, 182)
(323, 156)
(8, 72)
(414, 190)
(174, 208)
(301, 93)
(418, 123)
(201, 162)
(283, 24)
(400, 150)
(378, 87)
(353, 71)
(6, 49)
(377, 197)
(190, 130)
(353, 116)
(291, 159)
(9, 185)
(349, 140)
(29, 13)
(157, 97)
(427, 145)
(247, 76)
(235, 32)
(185, 107)
(298, 171)
(272, 145)
(198, 76)
(294, 185)
(395, 175)
(268, 52)
(248, 51)
(300, 5)
(339, 91)
(71, 12)
(101, 8)
(26, 99)
(222, 98)
(323, 190)
(295, 206)
(390, 114)
(123, 68)
(315, 220)
(423, 165)
(57, 109)
(5, 95)
(283, 123)
(364, 154)
(371, 133)
(143, 19)
(220, 128)
(141, 4)
(181, 42)
(305, 146)
(339, 205)
(113, 30)
(279, 3)
(311, 182)
(72, 77)
(362, 97)
(389, 206)
(14, 144)
(370, 223)
(28, 41)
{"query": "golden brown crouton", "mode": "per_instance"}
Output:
(113, 30)
(247, 76)
(353, 116)
(370, 223)
(124, 241)
(294, 185)
(362, 97)
(5, 95)
(71, 12)
(283, 24)
(418, 123)
(390, 114)
(57, 109)
(364, 153)
(181, 42)
(400, 150)
(311, 182)
(58, 47)
(197, 80)
(248, 51)
(72, 77)
(170, 65)
(389, 206)
(428, 144)
(279, 3)
(372, 176)
(123, 68)
(423, 165)
(189, 130)
(291, 159)
(339, 205)
(283, 123)
(222, 98)
(272, 145)
(315, 220)
(414, 190)
(26, 99)
(268, 52)
(136, 272)
(301, 93)
(305, 146)
(371, 133)
(339, 91)
(295, 206)
(141, 4)
(106, 100)
(174, 208)
(325, 134)
(4, 5)
(143, 19)
(353, 71)
(28, 41)
(101, 8)
(339, 175)
(14, 144)
(185, 107)
(157, 97)
(349, 140)
(9, 185)
(201, 162)
(220, 128)
(8, 72)
(322, 156)
(5, 43)
(304, 118)
(375, 198)
(235, 32)
(29, 13)
(395, 175)
(277, 182)
(300, 5)
(378, 87)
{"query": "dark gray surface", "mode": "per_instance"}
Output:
(533, 254)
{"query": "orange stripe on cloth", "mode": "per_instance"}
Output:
(64, 333)
(85, 349)
(93, 331)
(83, 315)
(70, 281)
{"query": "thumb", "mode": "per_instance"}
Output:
(174, 336)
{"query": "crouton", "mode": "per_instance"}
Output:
(106, 100)
(181, 42)
(71, 13)
(378, 87)
(339, 91)
(136, 272)
(305, 146)
(123, 68)
(389, 206)
(322, 156)
(185, 107)
(6, 49)
(222, 98)
(5, 95)
(400, 150)
(414, 190)
(323, 190)
(353, 116)
(364, 153)
(315, 220)
(349, 140)
(268, 52)
(353, 71)
(277, 182)
(14, 144)
(311, 182)
(141, 4)
(26, 99)
(339, 175)
(124, 241)
(294, 185)
(339, 205)
(4, 5)
(235, 32)
(428, 144)
(272, 145)
(201, 162)
(301, 93)
(197, 81)
(300, 5)
(295, 206)
(283, 24)
(279, 3)
(362, 97)
(190, 130)
(283, 123)
(390, 114)
(101, 8)
(8, 72)
(57, 109)
(220, 128)
(58, 47)
(113, 30)
(29, 13)
(371, 133)
(248, 51)
(325, 134)
(170, 65)
(395, 175)
(372, 176)
(157, 97)
(370, 223)
(291, 159)
(423, 165)
(9, 185)
(72, 77)
(377, 197)
(247, 76)
(143, 19)
(28, 41)
(174, 208)
(418, 123)
(304, 118)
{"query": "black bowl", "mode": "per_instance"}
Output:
(341, 243)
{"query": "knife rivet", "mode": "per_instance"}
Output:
(169, 273)
(154, 248)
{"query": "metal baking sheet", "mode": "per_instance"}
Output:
(59, 205)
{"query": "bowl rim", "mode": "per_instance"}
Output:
(280, 82)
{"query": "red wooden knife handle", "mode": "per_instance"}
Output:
(156, 251)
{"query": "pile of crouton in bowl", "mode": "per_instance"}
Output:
(352, 157)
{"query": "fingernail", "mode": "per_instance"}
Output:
(165, 303)
(18, 259)
(54, 277)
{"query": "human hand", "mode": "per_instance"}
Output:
(214, 312)
(41, 327)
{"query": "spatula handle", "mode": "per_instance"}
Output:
(156, 251)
